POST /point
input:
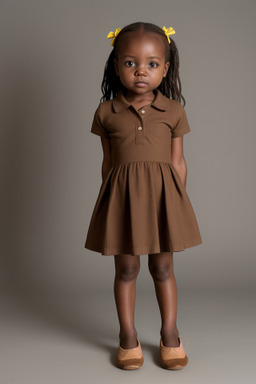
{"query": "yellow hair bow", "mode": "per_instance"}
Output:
(168, 31)
(113, 35)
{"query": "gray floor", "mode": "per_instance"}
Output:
(74, 339)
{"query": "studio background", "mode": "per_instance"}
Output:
(52, 60)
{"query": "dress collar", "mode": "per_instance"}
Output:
(160, 102)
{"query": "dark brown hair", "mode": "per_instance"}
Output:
(170, 85)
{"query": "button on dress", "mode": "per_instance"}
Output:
(142, 206)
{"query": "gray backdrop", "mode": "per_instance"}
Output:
(52, 59)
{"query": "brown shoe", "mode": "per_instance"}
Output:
(173, 357)
(129, 358)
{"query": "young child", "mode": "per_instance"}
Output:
(142, 206)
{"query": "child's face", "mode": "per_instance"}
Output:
(141, 64)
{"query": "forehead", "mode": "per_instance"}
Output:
(142, 43)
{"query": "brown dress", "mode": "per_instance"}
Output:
(142, 206)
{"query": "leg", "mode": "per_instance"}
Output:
(161, 269)
(126, 271)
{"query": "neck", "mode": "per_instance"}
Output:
(131, 97)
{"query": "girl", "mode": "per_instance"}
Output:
(142, 206)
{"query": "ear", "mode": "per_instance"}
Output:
(116, 66)
(166, 67)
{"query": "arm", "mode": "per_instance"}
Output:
(106, 164)
(177, 158)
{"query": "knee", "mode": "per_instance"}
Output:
(128, 273)
(160, 271)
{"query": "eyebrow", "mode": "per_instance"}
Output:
(150, 57)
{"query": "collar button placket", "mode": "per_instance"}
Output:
(140, 128)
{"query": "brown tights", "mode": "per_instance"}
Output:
(161, 269)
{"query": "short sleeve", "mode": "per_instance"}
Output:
(181, 126)
(97, 124)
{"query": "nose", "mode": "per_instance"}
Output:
(140, 72)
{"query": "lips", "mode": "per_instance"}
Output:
(141, 83)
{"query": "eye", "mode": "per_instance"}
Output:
(129, 63)
(153, 64)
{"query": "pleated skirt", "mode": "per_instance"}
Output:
(142, 208)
